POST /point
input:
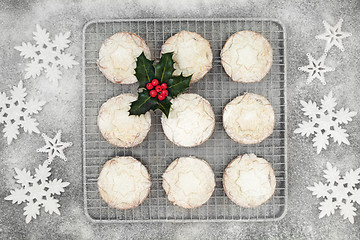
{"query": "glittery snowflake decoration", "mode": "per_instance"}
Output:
(47, 55)
(316, 69)
(325, 122)
(339, 192)
(333, 36)
(37, 191)
(54, 147)
(16, 113)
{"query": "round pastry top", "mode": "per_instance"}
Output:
(118, 54)
(192, 54)
(249, 118)
(124, 182)
(191, 120)
(120, 128)
(247, 56)
(249, 180)
(189, 182)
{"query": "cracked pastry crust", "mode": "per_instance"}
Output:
(192, 54)
(249, 181)
(191, 120)
(249, 118)
(124, 182)
(118, 127)
(118, 54)
(247, 57)
(189, 182)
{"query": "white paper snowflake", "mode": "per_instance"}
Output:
(333, 36)
(54, 147)
(47, 55)
(325, 122)
(37, 191)
(316, 69)
(339, 192)
(15, 113)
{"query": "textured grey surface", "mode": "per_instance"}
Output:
(63, 111)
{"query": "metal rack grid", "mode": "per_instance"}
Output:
(156, 152)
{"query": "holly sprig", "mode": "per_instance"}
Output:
(146, 72)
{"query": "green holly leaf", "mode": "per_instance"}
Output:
(165, 68)
(165, 106)
(177, 85)
(143, 104)
(144, 71)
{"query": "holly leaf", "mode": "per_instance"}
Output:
(177, 85)
(165, 106)
(165, 68)
(144, 71)
(143, 104)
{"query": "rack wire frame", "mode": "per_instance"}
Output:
(157, 152)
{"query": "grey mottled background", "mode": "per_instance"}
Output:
(302, 20)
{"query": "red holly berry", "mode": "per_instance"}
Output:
(164, 92)
(163, 86)
(155, 82)
(161, 97)
(149, 86)
(153, 93)
(158, 88)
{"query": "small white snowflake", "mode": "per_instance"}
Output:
(37, 191)
(339, 192)
(316, 69)
(47, 55)
(15, 113)
(333, 36)
(325, 122)
(54, 147)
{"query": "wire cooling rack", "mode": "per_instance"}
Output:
(156, 152)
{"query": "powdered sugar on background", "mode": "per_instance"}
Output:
(302, 20)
